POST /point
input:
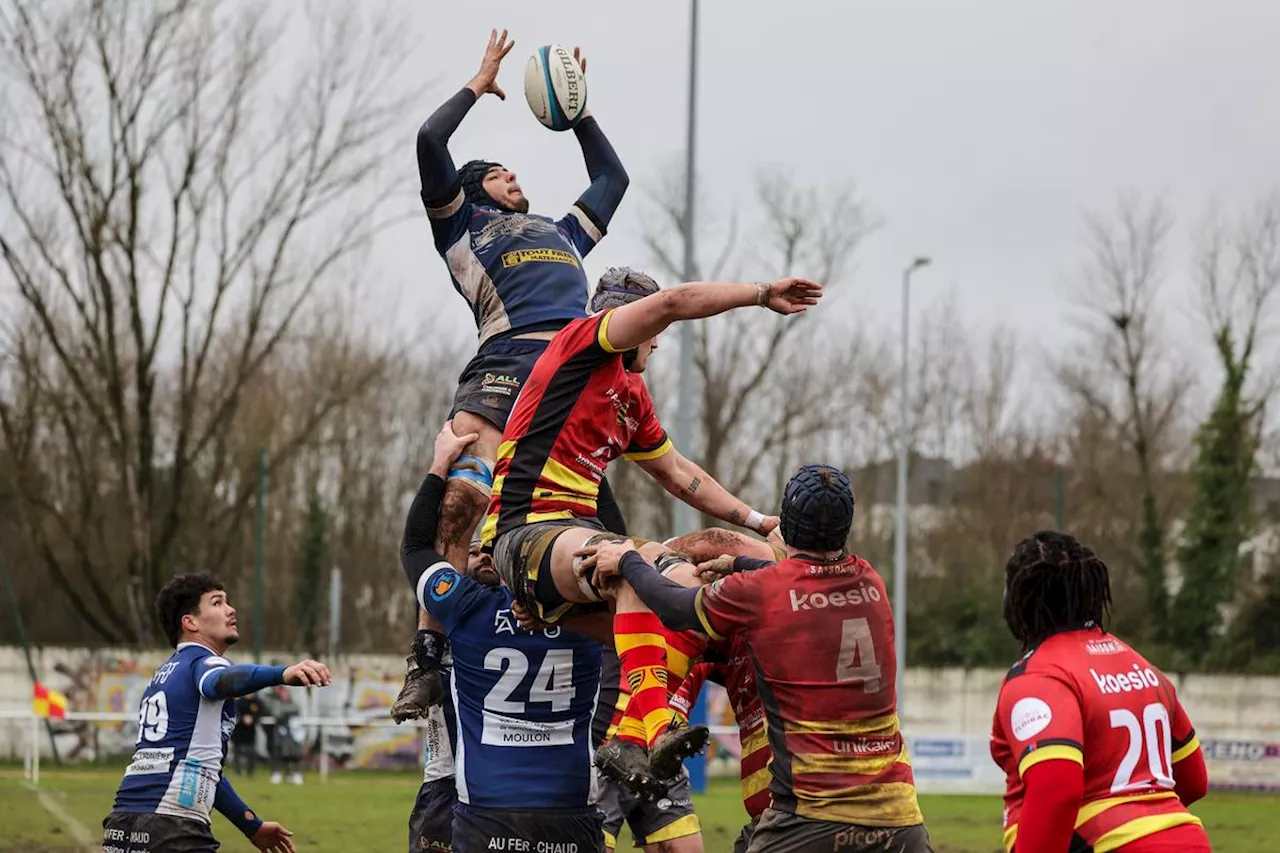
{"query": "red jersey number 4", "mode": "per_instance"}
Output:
(857, 658)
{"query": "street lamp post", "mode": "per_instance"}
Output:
(900, 531)
(683, 519)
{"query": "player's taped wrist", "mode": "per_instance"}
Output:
(428, 649)
(763, 291)
(754, 520)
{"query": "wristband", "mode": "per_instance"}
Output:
(754, 520)
(762, 294)
(428, 648)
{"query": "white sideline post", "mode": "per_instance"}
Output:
(35, 749)
(324, 753)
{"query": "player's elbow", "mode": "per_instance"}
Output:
(428, 137)
(619, 182)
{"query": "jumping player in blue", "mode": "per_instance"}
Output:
(522, 276)
(184, 722)
(524, 700)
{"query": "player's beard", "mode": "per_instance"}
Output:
(232, 638)
(520, 206)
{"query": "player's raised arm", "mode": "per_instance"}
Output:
(440, 590)
(417, 547)
(439, 175)
(589, 218)
(634, 323)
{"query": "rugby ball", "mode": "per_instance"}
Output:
(555, 87)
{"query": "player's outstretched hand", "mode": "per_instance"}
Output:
(793, 295)
(449, 447)
(307, 673)
(273, 838)
(769, 525)
(581, 58)
(486, 79)
(712, 570)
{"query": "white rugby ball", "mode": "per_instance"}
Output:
(555, 87)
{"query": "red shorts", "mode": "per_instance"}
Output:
(1187, 838)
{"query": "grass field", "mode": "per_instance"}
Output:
(368, 812)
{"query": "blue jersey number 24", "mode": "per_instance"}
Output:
(553, 683)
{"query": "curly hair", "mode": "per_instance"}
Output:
(180, 597)
(1052, 583)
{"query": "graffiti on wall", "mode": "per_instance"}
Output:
(113, 684)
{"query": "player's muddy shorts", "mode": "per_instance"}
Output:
(743, 841)
(492, 380)
(650, 822)
(783, 832)
(532, 831)
(431, 821)
(522, 557)
(155, 833)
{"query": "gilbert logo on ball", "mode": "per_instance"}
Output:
(555, 87)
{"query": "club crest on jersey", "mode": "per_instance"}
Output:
(1030, 716)
(444, 585)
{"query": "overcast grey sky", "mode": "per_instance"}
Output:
(980, 132)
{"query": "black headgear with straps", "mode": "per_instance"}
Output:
(620, 286)
(817, 509)
(472, 174)
(617, 287)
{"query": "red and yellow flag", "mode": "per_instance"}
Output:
(49, 703)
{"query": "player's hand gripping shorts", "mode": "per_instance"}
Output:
(522, 557)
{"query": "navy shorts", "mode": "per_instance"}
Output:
(123, 832)
(431, 822)
(492, 380)
(529, 831)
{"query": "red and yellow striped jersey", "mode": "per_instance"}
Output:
(1086, 696)
(577, 412)
(820, 638)
(738, 676)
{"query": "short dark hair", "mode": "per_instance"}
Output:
(1054, 583)
(180, 597)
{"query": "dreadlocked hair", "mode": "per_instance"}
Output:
(1054, 583)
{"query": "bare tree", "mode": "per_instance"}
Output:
(171, 194)
(1127, 384)
(1238, 272)
(769, 385)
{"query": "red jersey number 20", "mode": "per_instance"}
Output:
(1150, 738)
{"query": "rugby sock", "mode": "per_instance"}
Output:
(684, 649)
(643, 653)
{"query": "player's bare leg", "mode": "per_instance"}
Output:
(466, 496)
(709, 543)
